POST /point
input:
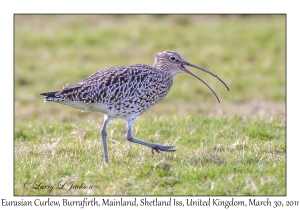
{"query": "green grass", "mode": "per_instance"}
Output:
(224, 156)
(233, 148)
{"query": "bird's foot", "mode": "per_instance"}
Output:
(159, 148)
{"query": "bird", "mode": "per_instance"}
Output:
(125, 92)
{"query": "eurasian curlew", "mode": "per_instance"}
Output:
(126, 92)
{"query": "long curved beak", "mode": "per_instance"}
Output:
(185, 63)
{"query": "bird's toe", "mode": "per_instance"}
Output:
(159, 148)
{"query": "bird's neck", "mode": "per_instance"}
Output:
(158, 65)
(165, 68)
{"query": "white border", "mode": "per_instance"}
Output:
(8, 8)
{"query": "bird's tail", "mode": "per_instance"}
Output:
(51, 96)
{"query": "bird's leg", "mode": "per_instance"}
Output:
(155, 147)
(104, 135)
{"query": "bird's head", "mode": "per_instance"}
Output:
(172, 61)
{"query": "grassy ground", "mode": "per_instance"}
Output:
(237, 147)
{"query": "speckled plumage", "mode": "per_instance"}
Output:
(126, 92)
(118, 91)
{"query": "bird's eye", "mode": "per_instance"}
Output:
(173, 58)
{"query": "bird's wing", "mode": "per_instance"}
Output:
(114, 85)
